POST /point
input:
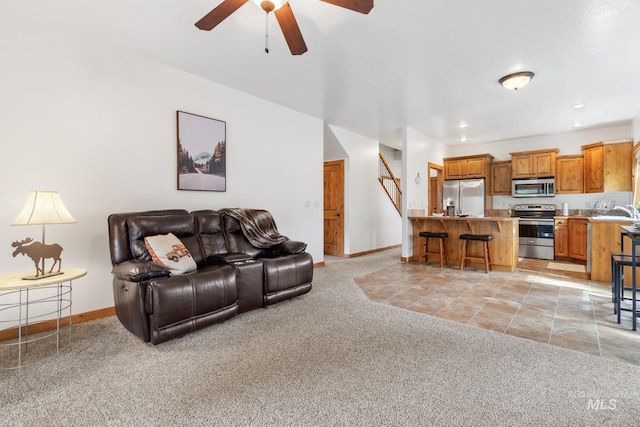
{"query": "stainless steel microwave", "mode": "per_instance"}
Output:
(544, 187)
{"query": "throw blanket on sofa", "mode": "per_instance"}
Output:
(257, 225)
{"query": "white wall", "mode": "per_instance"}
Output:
(371, 221)
(393, 158)
(98, 125)
(418, 150)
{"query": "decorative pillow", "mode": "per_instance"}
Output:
(168, 250)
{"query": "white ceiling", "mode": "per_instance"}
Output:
(426, 64)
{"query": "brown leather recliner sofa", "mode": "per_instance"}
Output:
(233, 276)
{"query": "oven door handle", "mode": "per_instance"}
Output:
(535, 222)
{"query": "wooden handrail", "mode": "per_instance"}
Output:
(390, 183)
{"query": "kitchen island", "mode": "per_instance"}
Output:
(503, 248)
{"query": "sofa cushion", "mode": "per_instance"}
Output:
(168, 250)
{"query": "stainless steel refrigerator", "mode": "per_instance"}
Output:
(467, 195)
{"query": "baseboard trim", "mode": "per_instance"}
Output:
(373, 251)
(49, 325)
(318, 264)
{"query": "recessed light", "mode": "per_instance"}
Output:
(463, 125)
(577, 124)
(578, 105)
(463, 138)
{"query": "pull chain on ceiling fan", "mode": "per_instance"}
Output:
(284, 15)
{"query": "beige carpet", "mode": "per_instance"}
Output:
(331, 357)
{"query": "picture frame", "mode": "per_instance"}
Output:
(202, 158)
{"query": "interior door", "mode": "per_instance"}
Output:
(334, 208)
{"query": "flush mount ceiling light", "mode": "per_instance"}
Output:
(516, 80)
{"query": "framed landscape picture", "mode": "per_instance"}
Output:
(202, 158)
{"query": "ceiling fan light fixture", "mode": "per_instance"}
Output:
(516, 80)
(269, 5)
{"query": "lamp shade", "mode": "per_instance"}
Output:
(43, 207)
(516, 80)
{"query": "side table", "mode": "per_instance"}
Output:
(55, 297)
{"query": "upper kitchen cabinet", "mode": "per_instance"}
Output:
(608, 167)
(467, 167)
(570, 174)
(593, 167)
(501, 178)
(534, 164)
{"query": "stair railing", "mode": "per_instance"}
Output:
(390, 183)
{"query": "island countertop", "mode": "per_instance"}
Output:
(503, 247)
(467, 218)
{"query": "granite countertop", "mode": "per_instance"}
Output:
(598, 218)
(466, 218)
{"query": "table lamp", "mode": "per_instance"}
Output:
(42, 207)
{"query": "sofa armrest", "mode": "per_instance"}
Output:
(137, 270)
(290, 247)
(227, 258)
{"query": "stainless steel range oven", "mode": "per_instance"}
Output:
(536, 230)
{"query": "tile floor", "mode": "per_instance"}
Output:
(546, 301)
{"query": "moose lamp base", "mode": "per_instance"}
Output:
(42, 276)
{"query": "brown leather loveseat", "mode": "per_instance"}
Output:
(232, 275)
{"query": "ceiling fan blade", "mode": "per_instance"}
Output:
(362, 6)
(290, 29)
(219, 14)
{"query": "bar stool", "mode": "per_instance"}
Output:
(619, 260)
(484, 238)
(442, 254)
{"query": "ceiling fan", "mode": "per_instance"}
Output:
(284, 15)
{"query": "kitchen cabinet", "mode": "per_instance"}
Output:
(605, 238)
(570, 174)
(593, 168)
(608, 167)
(467, 167)
(501, 178)
(577, 228)
(533, 164)
(503, 247)
(561, 238)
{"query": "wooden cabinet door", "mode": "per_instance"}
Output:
(453, 169)
(544, 164)
(475, 168)
(570, 175)
(501, 178)
(618, 167)
(578, 238)
(561, 238)
(521, 166)
(594, 168)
